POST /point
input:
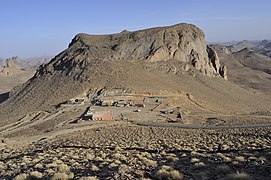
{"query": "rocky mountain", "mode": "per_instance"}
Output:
(182, 43)
(173, 59)
(264, 44)
(243, 44)
(262, 47)
(248, 67)
(253, 60)
(14, 71)
(12, 66)
(23, 64)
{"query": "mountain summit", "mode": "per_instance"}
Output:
(181, 43)
(163, 60)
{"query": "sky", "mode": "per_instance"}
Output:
(30, 28)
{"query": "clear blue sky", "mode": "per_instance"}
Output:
(37, 27)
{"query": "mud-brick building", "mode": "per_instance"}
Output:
(103, 116)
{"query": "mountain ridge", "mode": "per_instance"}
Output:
(167, 60)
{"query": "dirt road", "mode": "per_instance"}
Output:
(188, 126)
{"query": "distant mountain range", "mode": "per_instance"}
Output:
(262, 47)
(32, 61)
(248, 63)
(15, 70)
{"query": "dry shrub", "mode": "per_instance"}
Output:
(194, 153)
(90, 156)
(35, 175)
(120, 156)
(171, 158)
(38, 166)
(225, 158)
(117, 162)
(26, 159)
(75, 164)
(58, 161)
(98, 159)
(36, 160)
(113, 165)
(2, 165)
(118, 148)
(63, 168)
(168, 173)
(94, 168)
(240, 158)
(195, 160)
(21, 177)
(51, 165)
(64, 157)
(200, 165)
(149, 162)
(71, 175)
(50, 172)
(60, 176)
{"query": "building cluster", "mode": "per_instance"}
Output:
(106, 115)
(118, 103)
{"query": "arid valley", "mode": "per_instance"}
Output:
(151, 104)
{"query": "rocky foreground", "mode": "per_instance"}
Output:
(133, 152)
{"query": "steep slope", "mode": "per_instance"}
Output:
(253, 60)
(154, 61)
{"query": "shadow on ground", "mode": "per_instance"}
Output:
(4, 97)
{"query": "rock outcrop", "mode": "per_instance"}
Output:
(13, 65)
(10, 67)
(182, 43)
(222, 70)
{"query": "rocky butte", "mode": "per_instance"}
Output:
(169, 59)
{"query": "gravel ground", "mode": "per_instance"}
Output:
(133, 152)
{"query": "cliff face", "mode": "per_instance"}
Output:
(182, 43)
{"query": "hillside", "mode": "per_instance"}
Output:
(155, 103)
(167, 60)
(247, 68)
(253, 60)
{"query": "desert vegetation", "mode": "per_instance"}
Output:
(133, 152)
